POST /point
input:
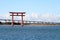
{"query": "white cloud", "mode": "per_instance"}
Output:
(44, 17)
(31, 17)
(35, 17)
(4, 16)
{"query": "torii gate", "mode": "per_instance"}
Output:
(17, 14)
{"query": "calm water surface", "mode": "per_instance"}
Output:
(29, 33)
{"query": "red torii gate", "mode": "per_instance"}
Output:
(17, 14)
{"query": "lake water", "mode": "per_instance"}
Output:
(29, 33)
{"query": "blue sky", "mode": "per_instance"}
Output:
(33, 8)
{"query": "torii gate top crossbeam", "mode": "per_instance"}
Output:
(17, 13)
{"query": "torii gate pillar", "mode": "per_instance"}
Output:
(17, 14)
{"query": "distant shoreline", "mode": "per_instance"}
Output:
(42, 25)
(31, 25)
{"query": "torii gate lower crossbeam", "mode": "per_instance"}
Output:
(17, 14)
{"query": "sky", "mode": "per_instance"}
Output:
(36, 10)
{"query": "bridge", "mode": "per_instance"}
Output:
(17, 21)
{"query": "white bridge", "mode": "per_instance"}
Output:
(17, 21)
